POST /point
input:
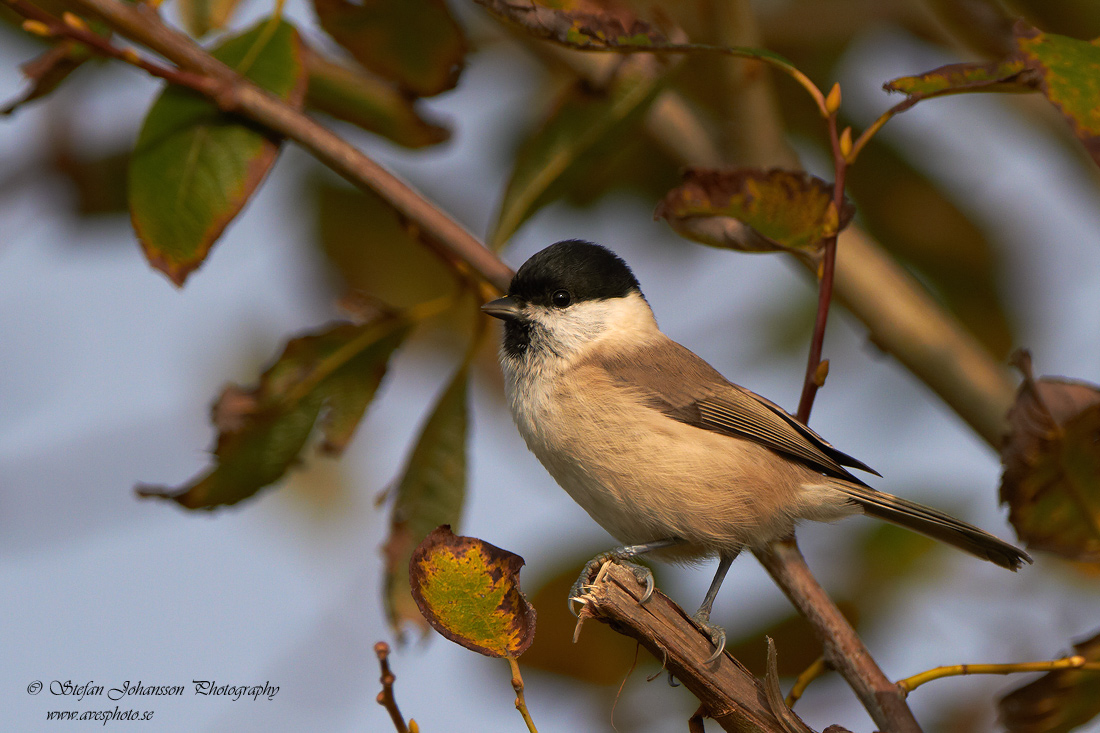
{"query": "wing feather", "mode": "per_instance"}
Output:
(680, 384)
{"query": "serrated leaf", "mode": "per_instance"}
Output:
(199, 17)
(431, 492)
(1057, 702)
(1051, 463)
(1006, 75)
(367, 101)
(416, 43)
(754, 210)
(565, 147)
(332, 374)
(468, 590)
(1069, 72)
(194, 167)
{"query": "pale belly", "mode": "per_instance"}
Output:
(659, 478)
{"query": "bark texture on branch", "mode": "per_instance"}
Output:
(728, 692)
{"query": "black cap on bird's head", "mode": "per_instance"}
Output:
(564, 273)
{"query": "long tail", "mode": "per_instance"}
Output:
(935, 524)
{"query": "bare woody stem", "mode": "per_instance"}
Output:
(521, 701)
(385, 697)
(844, 651)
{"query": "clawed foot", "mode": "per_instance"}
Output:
(716, 633)
(641, 572)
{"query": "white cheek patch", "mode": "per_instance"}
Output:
(567, 331)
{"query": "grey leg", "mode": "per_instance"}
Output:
(621, 555)
(702, 617)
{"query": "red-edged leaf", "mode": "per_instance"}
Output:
(468, 590)
(754, 210)
(369, 102)
(332, 374)
(193, 167)
(414, 42)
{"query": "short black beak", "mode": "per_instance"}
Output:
(506, 308)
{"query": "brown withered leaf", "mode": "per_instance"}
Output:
(582, 23)
(46, 72)
(1005, 75)
(1051, 460)
(753, 210)
(1058, 701)
(468, 590)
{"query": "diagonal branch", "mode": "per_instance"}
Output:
(141, 24)
(728, 693)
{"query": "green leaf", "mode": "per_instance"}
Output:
(374, 252)
(1069, 77)
(1007, 75)
(194, 167)
(332, 374)
(414, 42)
(1057, 702)
(1051, 458)
(199, 17)
(431, 492)
(754, 210)
(369, 102)
(575, 140)
(468, 590)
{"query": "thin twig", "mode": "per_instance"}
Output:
(521, 702)
(811, 673)
(909, 684)
(77, 31)
(385, 697)
(844, 651)
(814, 378)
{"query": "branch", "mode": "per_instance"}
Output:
(728, 692)
(141, 24)
(385, 697)
(844, 651)
(909, 684)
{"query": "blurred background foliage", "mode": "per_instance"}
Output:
(372, 69)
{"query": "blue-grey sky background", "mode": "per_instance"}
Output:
(107, 373)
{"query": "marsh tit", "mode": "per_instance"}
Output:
(659, 448)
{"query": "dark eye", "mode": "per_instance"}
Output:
(560, 298)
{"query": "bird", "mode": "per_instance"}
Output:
(662, 451)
